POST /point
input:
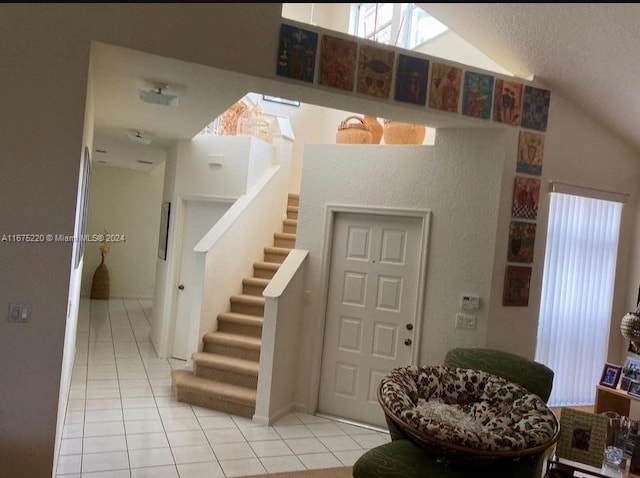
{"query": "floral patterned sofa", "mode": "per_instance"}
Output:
(482, 414)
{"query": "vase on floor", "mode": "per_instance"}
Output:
(101, 284)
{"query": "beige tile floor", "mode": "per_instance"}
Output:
(123, 421)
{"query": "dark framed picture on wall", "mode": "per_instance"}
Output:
(164, 231)
(83, 198)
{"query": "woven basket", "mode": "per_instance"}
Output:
(353, 130)
(459, 455)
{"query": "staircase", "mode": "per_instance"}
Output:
(225, 373)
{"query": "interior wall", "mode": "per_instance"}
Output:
(160, 309)
(458, 180)
(127, 204)
(577, 151)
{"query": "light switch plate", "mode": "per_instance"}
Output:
(19, 312)
(465, 321)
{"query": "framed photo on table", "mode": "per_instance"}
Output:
(634, 389)
(610, 375)
(582, 436)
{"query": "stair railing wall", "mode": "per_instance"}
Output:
(280, 339)
(237, 240)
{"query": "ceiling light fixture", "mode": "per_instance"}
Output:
(157, 96)
(136, 137)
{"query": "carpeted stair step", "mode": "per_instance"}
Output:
(276, 254)
(233, 345)
(292, 212)
(211, 394)
(290, 226)
(220, 368)
(241, 324)
(293, 199)
(254, 285)
(283, 239)
(247, 304)
(265, 270)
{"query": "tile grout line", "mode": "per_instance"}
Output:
(115, 359)
(175, 465)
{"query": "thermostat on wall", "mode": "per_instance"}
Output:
(470, 302)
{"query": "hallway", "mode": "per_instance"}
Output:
(122, 420)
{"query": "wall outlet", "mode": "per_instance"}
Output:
(465, 321)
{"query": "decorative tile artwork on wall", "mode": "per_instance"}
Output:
(530, 153)
(526, 192)
(516, 286)
(535, 108)
(477, 95)
(297, 53)
(522, 236)
(337, 62)
(411, 80)
(507, 104)
(444, 93)
(375, 71)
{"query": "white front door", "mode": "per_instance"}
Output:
(371, 310)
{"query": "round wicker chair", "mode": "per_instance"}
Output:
(467, 416)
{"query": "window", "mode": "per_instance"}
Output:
(401, 24)
(577, 291)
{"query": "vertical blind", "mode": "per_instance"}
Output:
(577, 294)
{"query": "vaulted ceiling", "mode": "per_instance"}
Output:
(587, 52)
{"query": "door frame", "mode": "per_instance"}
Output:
(332, 210)
(173, 276)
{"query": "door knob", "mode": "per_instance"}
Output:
(181, 287)
(407, 341)
(409, 326)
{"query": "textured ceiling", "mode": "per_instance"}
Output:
(587, 52)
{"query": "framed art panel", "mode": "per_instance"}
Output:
(337, 67)
(164, 230)
(477, 95)
(297, 53)
(411, 80)
(507, 103)
(530, 153)
(535, 108)
(375, 71)
(446, 83)
(526, 193)
(516, 286)
(522, 237)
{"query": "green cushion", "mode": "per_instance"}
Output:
(534, 376)
(403, 459)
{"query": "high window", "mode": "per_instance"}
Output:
(401, 24)
(577, 290)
